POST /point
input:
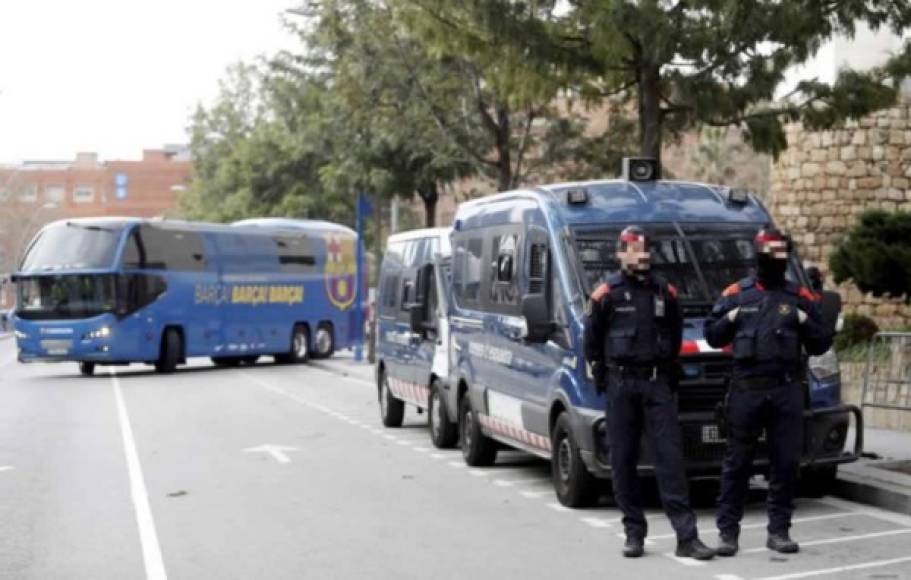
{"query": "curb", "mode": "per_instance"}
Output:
(5, 336)
(876, 493)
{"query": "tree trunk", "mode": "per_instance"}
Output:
(504, 154)
(650, 112)
(430, 211)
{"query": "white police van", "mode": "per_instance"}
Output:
(412, 365)
(523, 265)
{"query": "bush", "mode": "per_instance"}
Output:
(876, 254)
(857, 332)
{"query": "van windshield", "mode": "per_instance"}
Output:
(701, 260)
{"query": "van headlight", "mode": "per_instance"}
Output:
(20, 335)
(103, 332)
(825, 365)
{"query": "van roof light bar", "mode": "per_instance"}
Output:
(641, 169)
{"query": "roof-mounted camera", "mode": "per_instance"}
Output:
(640, 169)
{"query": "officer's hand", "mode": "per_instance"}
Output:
(801, 316)
(732, 314)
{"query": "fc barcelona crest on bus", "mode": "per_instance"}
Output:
(340, 271)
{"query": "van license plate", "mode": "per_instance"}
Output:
(711, 434)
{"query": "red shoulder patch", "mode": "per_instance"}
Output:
(672, 290)
(805, 293)
(732, 289)
(601, 291)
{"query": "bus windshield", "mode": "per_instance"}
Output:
(71, 246)
(65, 297)
(701, 260)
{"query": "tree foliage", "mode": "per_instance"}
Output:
(876, 254)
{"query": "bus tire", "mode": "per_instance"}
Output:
(249, 360)
(443, 432)
(300, 347)
(817, 481)
(574, 485)
(171, 352)
(478, 449)
(86, 368)
(225, 361)
(392, 410)
(324, 341)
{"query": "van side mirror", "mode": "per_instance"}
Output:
(537, 318)
(416, 317)
(830, 309)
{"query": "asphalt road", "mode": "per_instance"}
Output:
(285, 472)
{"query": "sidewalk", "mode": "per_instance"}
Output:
(883, 478)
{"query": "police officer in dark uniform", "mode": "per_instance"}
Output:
(632, 338)
(766, 319)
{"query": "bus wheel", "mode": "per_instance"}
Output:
(225, 361)
(249, 360)
(171, 351)
(87, 369)
(575, 486)
(392, 410)
(300, 344)
(478, 449)
(443, 432)
(325, 341)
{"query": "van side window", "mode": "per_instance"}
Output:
(390, 295)
(503, 286)
(467, 270)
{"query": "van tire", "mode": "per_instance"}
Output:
(300, 347)
(574, 485)
(444, 434)
(86, 368)
(171, 352)
(478, 449)
(324, 341)
(392, 410)
(817, 481)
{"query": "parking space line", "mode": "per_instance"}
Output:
(148, 537)
(880, 514)
(683, 561)
(840, 539)
(512, 482)
(793, 521)
(534, 494)
(599, 522)
(558, 507)
(837, 570)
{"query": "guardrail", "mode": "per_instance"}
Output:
(887, 374)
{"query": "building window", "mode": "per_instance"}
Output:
(54, 193)
(29, 193)
(83, 194)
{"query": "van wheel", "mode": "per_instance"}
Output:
(443, 432)
(392, 410)
(171, 352)
(324, 343)
(575, 486)
(86, 369)
(817, 481)
(478, 449)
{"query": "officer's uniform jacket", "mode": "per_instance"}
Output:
(631, 322)
(766, 335)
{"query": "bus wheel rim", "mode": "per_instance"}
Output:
(323, 340)
(300, 345)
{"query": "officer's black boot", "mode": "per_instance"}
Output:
(694, 549)
(782, 542)
(634, 547)
(727, 545)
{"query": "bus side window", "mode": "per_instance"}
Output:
(167, 249)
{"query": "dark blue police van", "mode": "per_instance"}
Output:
(524, 263)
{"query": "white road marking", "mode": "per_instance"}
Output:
(839, 569)
(558, 507)
(457, 464)
(727, 577)
(843, 539)
(276, 451)
(511, 482)
(477, 472)
(684, 561)
(421, 449)
(793, 521)
(390, 437)
(534, 494)
(599, 522)
(151, 550)
(6, 468)
(437, 456)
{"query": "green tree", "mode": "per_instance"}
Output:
(876, 255)
(686, 63)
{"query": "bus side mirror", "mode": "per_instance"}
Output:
(830, 309)
(537, 318)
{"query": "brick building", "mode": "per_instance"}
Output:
(34, 193)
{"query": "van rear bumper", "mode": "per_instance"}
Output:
(825, 437)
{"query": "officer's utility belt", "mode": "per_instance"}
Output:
(650, 372)
(761, 383)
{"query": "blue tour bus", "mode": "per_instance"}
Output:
(113, 291)
(523, 265)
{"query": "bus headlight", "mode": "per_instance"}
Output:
(825, 365)
(103, 332)
(20, 335)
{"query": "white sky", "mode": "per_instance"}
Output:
(117, 76)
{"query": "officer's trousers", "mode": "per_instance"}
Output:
(635, 405)
(778, 410)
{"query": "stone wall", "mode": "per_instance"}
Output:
(825, 179)
(852, 386)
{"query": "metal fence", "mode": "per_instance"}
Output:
(887, 375)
